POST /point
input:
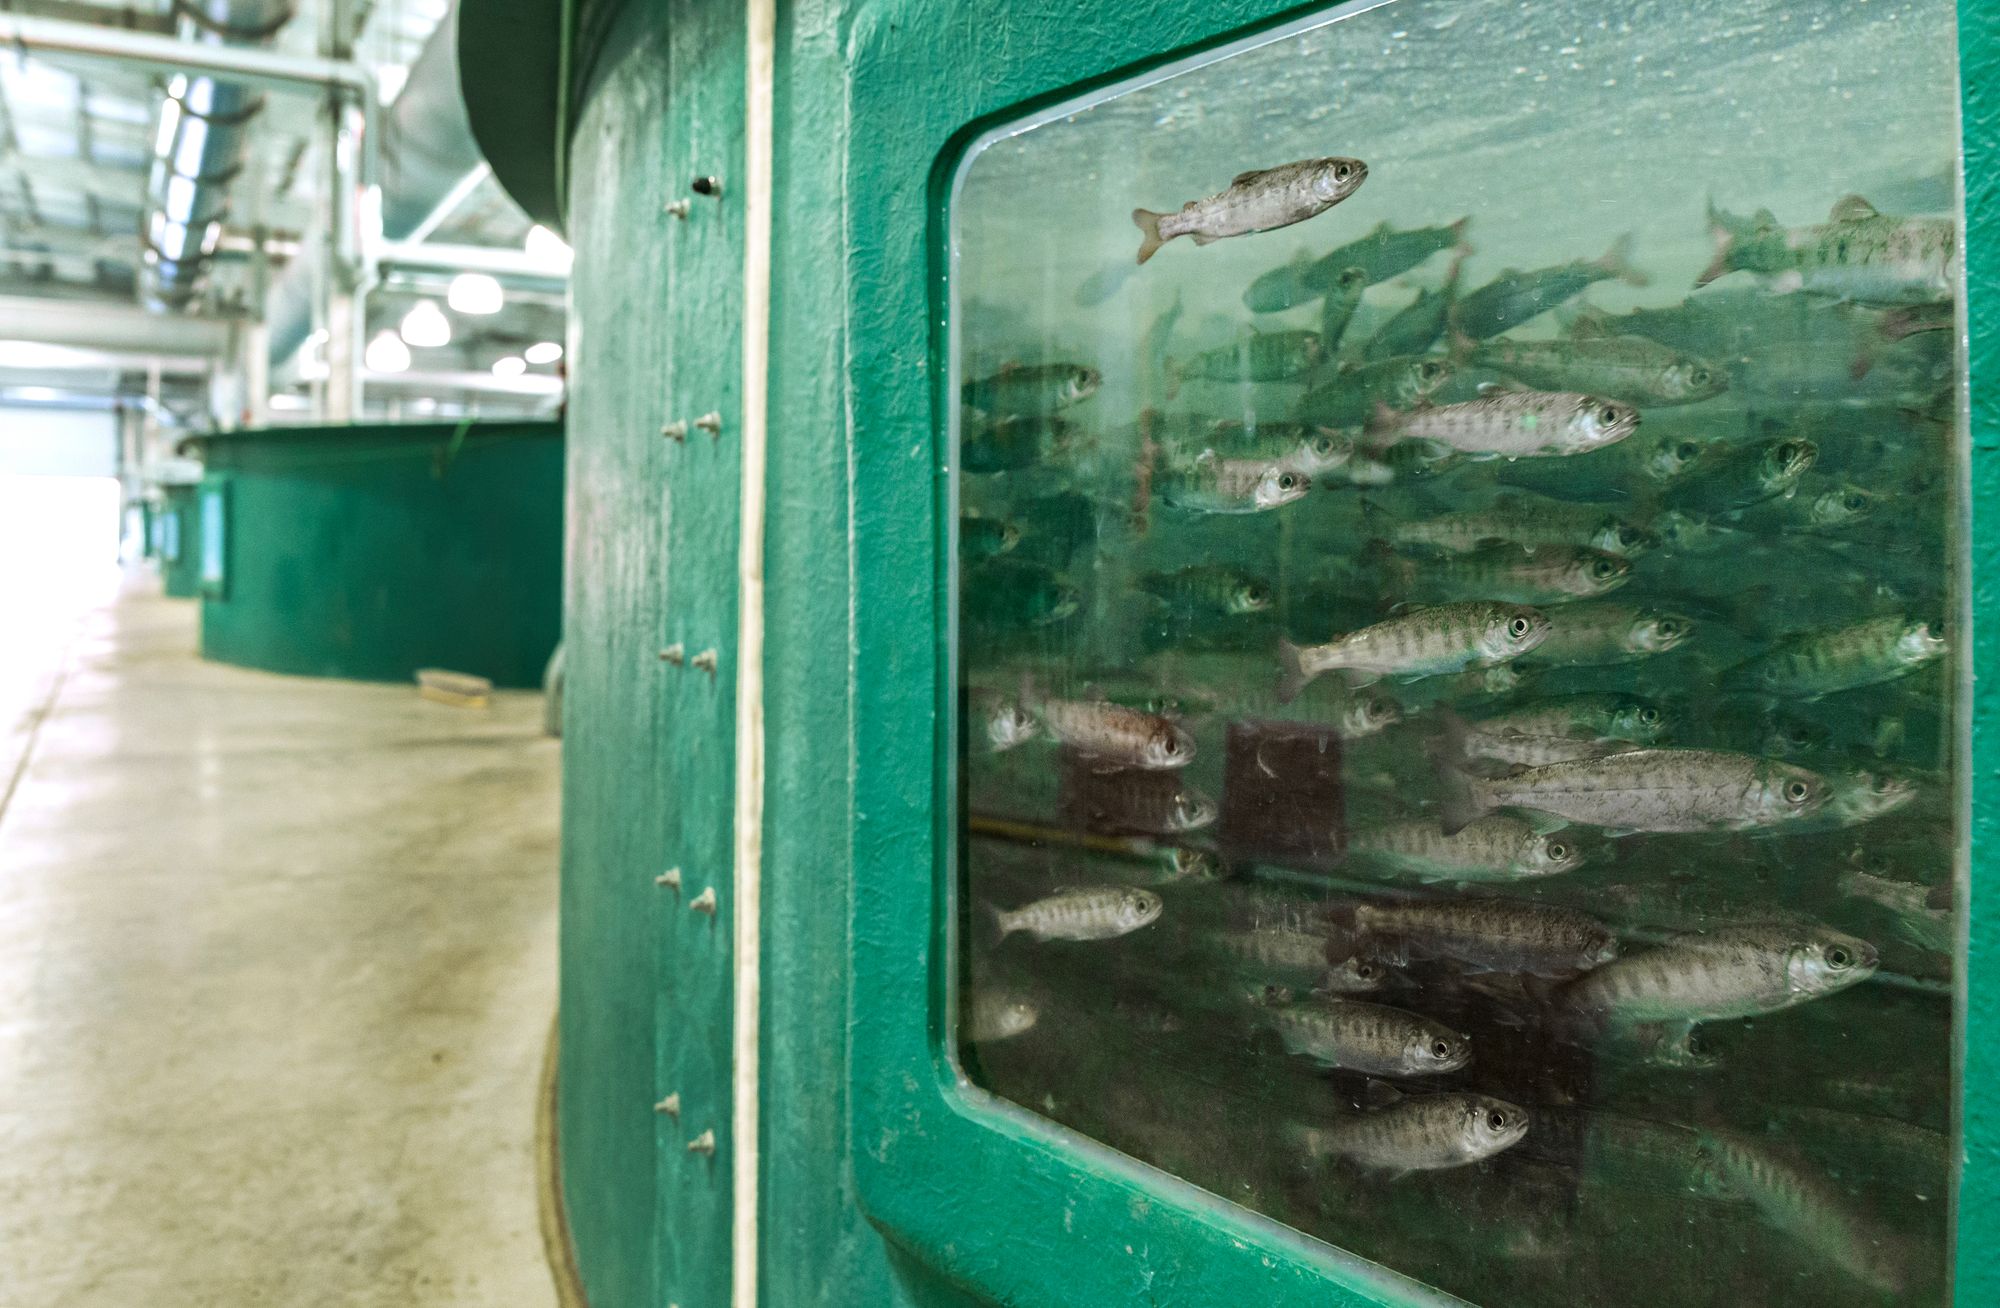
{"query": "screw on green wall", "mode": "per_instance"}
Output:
(369, 552)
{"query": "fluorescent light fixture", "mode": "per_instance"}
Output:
(511, 366)
(475, 293)
(34, 394)
(179, 202)
(187, 154)
(286, 402)
(426, 327)
(36, 354)
(170, 121)
(386, 353)
(389, 80)
(543, 352)
(546, 247)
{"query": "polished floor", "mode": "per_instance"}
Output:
(277, 965)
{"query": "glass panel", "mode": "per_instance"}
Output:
(214, 540)
(1461, 639)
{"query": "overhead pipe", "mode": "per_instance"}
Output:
(425, 152)
(198, 150)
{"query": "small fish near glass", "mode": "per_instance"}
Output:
(1461, 675)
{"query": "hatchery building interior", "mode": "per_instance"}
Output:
(840, 653)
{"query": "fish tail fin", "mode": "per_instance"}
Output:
(1379, 431)
(1617, 262)
(1002, 922)
(1724, 238)
(1292, 673)
(1150, 239)
(1459, 243)
(1461, 799)
(1342, 933)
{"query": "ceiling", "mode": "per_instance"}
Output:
(75, 151)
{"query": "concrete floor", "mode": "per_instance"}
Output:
(277, 962)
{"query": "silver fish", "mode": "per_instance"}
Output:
(1548, 574)
(1494, 848)
(1519, 520)
(1811, 1208)
(1261, 200)
(1007, 723)
(1730, 972)
(998, 1015)
(1818, 663)
(1525, 750)
(1857, 254)
(1858, 796)
(1922, 916)
(1423, 643)
(1426, 1133)
(1591, 635)
(1480, 935)
(1370, 1038)
(1128, 737)
(1647, 790)
(1096, 913)
(1506, 424)
(1209, 483)
(1629, 368)
(1593, 716)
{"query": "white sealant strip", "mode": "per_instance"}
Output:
(760, 42)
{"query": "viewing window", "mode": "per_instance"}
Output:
(214, 501)
(1460, 627)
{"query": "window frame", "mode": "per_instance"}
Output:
(999, 1200)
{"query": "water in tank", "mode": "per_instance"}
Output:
(1460, 638)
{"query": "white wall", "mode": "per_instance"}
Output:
(45, 442)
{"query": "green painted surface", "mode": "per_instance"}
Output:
(1978, 1243)
(649, 770)
(180, 542)
(369, 552)
(884, 1181)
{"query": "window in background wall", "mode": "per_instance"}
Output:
(214, 509)
(1462, 653)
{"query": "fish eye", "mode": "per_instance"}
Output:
(1670, 627)
(1517, 627)
(1496, 1120)
(1254, 594)
(1649, 717)
(1686, 451)
(1170, 746)
(1854, 503)
(1838, 957)
(1796, 791)
(1700, 376)
(1342, 172)
(1630, 536)
(1609, 413)
(1603, 568)
(1286, 481)
(1440, 1049)
(1366, 971)
(1430, 368)
(1558, 850)
(1932, 631)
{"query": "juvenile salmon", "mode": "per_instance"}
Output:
(1261, 200)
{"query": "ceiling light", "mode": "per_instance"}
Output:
(35, 393)
(475, 293)
(286, 402)
(387, 353)
(543, 352)
(511, 366)
(426, 327)
(546, 246)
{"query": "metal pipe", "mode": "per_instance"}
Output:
(409, 257)
(95, 324)
(62, 41)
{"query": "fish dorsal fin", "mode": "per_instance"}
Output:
(1500, 387)
(1852, 209)
(1380, 1094)
(1244, 179)
(1591, 323)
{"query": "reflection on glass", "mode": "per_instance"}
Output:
(1459, 639)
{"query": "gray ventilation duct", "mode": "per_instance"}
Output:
(198, 150)
(427, 150)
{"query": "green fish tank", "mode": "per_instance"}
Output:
(1461, 638)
